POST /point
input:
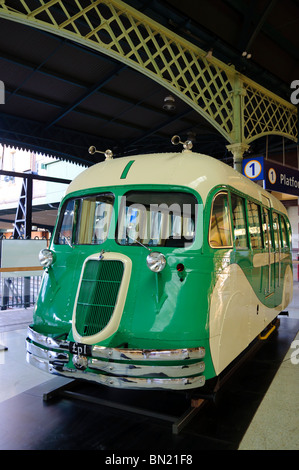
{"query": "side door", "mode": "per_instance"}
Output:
(268, 273)
(277, 251)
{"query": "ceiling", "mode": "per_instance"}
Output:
(43, 215)
(61, 97)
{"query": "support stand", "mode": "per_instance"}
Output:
(178, 423)
(197, 402)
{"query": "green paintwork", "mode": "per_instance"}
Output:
(126, 170)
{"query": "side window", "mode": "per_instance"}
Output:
(239, 221)
(254, 221)
(284, 233)
(289, 232)
(85, 220)
(220, 227)
(276, 232)
(266, 229)
(65, 234)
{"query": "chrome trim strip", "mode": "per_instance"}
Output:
(47, 341)
(118, 382)
(47, 354)
(113, 368)
(134, 370)
(118, 354)
(148, 354)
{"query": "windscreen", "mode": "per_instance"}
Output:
(157, 219)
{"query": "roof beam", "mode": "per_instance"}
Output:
(81, 111)
(161, 126)
(36, 69)
(59, 142)
(250, 17)
(268, 30)
(72, 81)
(90, 91)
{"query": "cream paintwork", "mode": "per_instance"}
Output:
(232, 328)
(113, 324)
(262, 259)
(197, 171)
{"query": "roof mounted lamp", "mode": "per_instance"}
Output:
(177, 140)
(169, 103)
(108, 153)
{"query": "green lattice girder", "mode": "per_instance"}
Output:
(240, 109)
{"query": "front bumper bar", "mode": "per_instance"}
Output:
(174, 369)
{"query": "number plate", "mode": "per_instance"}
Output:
(80, 349)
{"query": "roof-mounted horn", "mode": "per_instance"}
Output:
(108, 153)
(177, 140)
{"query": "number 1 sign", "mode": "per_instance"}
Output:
(254, 168)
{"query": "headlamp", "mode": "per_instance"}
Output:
(46, 257)
(156, 261)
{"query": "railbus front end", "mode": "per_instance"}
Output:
(114, 305)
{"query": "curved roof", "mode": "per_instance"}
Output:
(193, 170)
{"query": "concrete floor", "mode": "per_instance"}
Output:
(16, 376)
(274, 425)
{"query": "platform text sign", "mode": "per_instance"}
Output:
(275, 177)
(281, 179)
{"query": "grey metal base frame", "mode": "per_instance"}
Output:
(178, 423)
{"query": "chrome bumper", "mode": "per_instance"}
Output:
(175, 369)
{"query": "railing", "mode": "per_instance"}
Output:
(20, 274)
(18, 292)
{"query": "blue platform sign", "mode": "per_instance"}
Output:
(253, 168)
(281, 179)
(275, 177)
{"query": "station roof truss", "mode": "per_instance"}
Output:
(79, 73)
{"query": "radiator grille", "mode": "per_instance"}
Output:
(98, 295)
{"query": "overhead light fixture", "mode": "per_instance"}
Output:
(246, 54)
(191, 136)
(169, 103)
(209, 54)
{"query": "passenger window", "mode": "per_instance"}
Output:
(284, 233)
(220, 228)
(254, 220)
(239, 221)
(266, 229)
(289, 232)
(277, 243)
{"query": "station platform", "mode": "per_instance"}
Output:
(256, 409)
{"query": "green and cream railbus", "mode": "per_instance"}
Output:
(161, 270)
